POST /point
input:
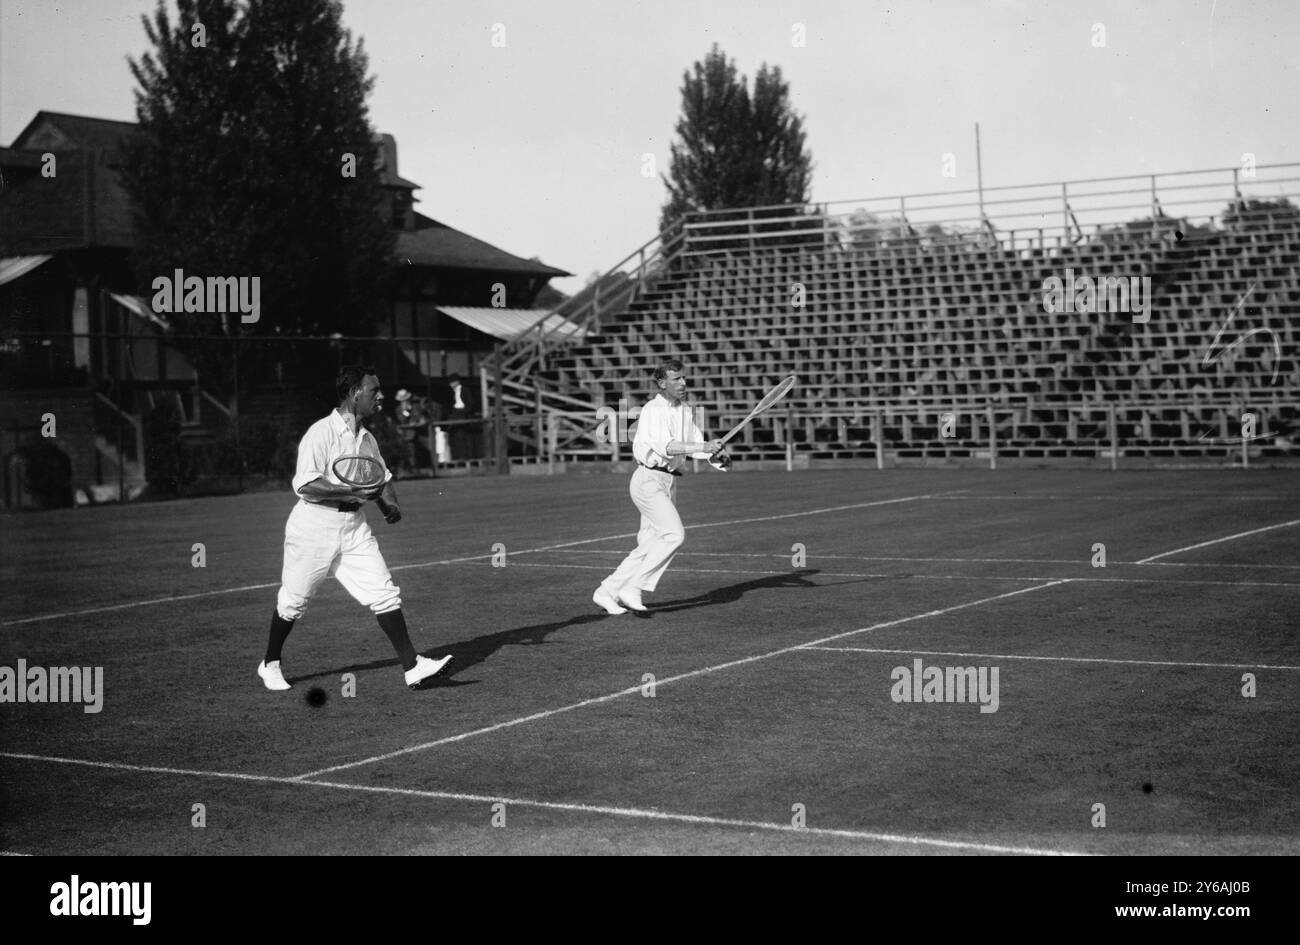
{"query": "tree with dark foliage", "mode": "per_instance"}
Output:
(247, 114)
(735, 149)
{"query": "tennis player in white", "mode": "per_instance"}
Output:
(666, 436)
(327, 532)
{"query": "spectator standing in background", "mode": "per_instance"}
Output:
(463, 406)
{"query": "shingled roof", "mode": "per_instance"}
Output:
(83, 205)
(436, 244)
(86, 205)
(57, 131)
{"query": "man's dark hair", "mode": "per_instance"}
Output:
(668, 364)
(350, 378)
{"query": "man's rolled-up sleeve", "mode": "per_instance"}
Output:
(693, 434)
(650, 445)
(313, 459)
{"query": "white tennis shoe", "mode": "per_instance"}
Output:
(271, 676)
(424, 668)
(605, 599)
(630, 597)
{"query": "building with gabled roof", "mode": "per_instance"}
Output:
(74, 334)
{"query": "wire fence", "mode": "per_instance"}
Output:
(141, 410)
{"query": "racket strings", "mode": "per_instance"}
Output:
(359, 470)
(775, 394)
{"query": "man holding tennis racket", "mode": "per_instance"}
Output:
(666, 436)
(339, 470)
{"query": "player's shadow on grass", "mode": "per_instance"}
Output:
(468, 653)
(734, 592)
(471, 652)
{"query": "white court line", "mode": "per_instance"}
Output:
(226, 590)
(1020, 578)
(621, 551)
(737, 521)
(146, 769)
(834, 508)
(1023, 498)
(1111, 562)
(1048, 659)
(632, 690)
(1264, 497)
(426, 564)
(138, 603)
(630, 812)
(938, 577)
(713, 821)
(1215, 541)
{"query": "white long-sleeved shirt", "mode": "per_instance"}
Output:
(325, 441)
(659, 424)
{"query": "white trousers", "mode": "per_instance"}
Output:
(320, 541)
(661, 534)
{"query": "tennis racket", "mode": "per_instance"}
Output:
(770, 398)
(362, 472)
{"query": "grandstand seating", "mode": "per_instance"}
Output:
(892, 336)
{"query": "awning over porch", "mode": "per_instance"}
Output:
(14, 267)
(509, 323)
(139, 307)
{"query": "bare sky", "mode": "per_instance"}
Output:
(538, 146)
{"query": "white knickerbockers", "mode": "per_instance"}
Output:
(320, 541)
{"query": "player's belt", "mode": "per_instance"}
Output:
(671, 472)
(340, 505)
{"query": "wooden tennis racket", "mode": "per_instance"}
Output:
(770, 398)
(362, 472)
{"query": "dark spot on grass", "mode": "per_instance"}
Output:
(316, 697)
(1147, 788)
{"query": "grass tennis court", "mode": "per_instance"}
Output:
(1119, 686)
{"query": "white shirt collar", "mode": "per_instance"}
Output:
(341, 424)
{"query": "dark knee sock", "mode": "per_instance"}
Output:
(394, 626)
(279, 633)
